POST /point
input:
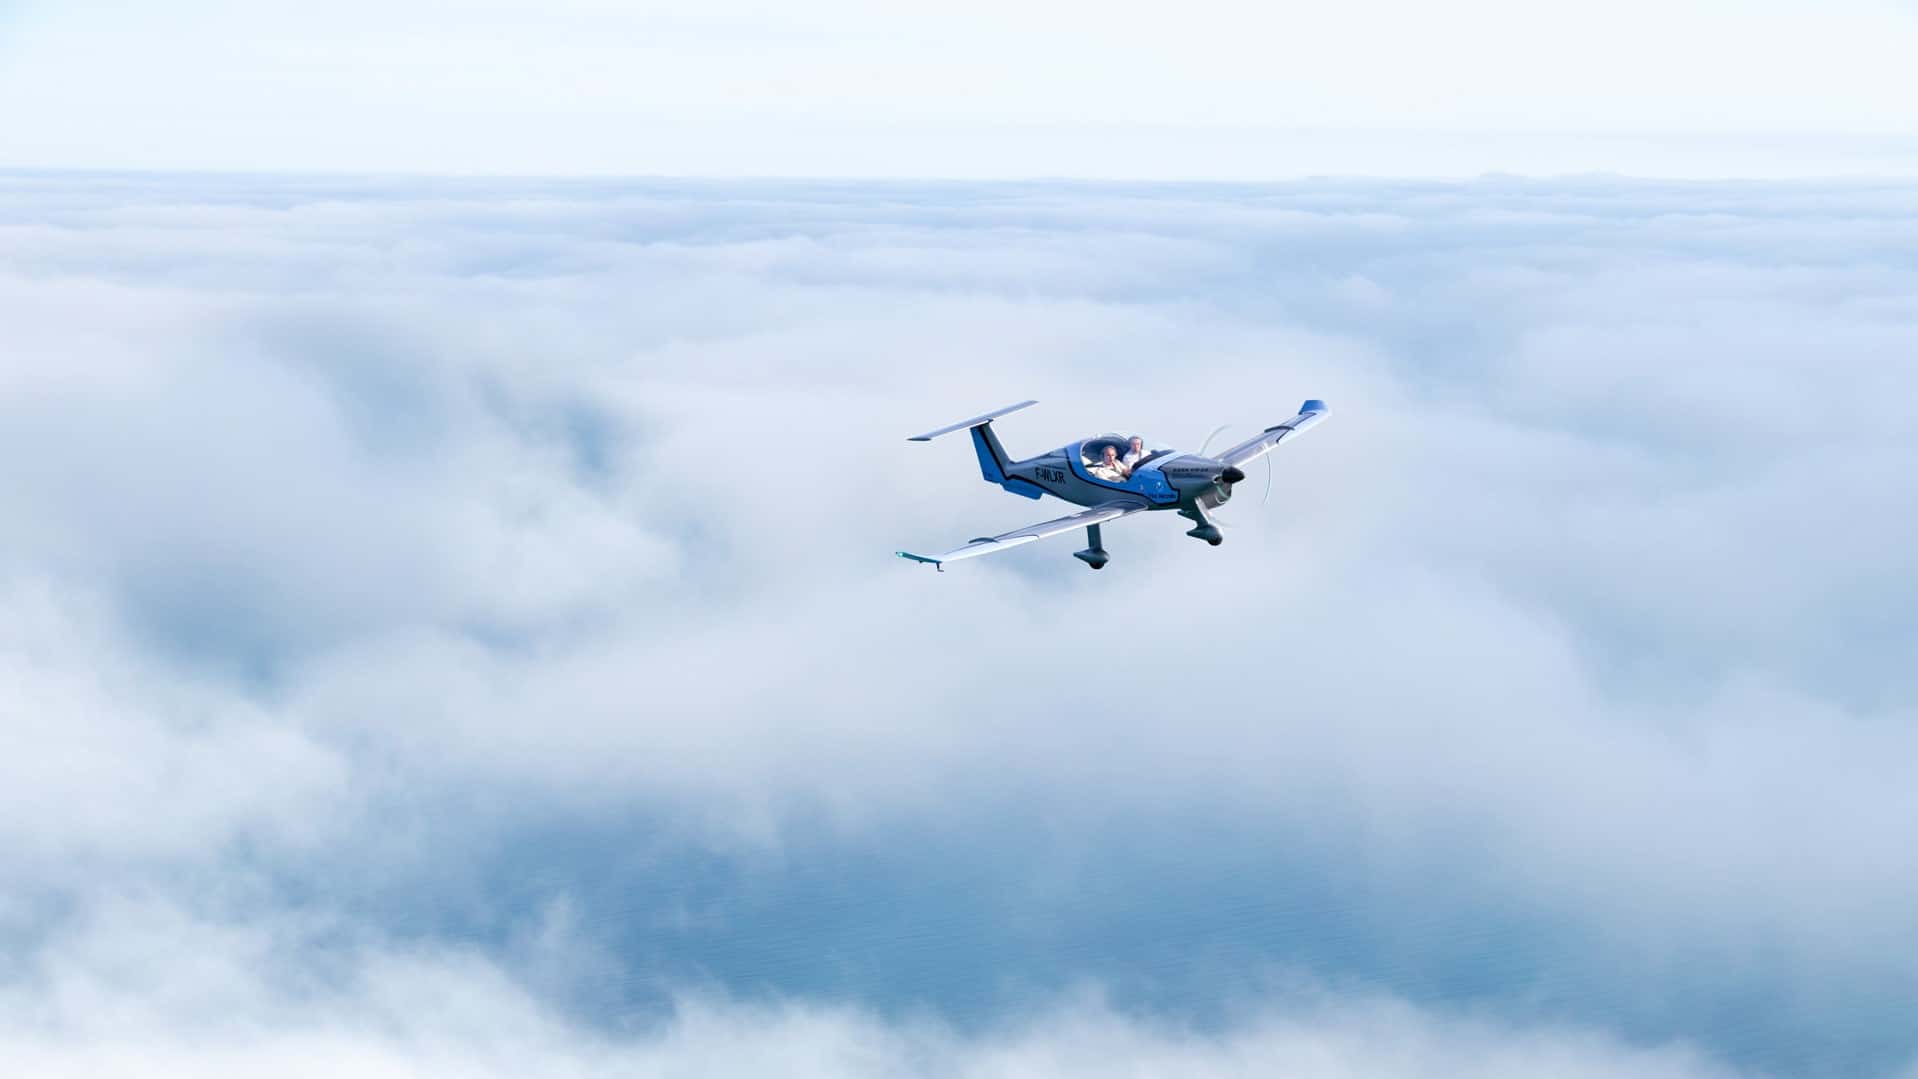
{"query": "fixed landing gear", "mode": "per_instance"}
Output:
(1095, 553)
(1204, 529)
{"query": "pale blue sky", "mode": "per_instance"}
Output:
(1206, 90)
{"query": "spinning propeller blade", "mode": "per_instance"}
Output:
(1216, 432)
(1233, 476)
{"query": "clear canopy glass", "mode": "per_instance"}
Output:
(1113, 456)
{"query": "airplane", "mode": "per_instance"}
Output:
(1096, 473)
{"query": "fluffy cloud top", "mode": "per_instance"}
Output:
(147, 991)
(395, 564)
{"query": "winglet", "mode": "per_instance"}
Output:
(1313, 405)
(973, 422)
(935, 563)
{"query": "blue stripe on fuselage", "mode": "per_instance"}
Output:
(1019, 485)
(988, 461)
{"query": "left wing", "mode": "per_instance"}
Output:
(1268, 440)
(1110, 511)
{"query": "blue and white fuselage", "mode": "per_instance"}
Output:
(1114, 476)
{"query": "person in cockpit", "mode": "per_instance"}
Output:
(1135, 452)
(1109, 467)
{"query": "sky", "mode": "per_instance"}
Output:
(1701, 89)
(456, 454)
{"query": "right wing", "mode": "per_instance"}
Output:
(1110, 511)
(1268, 440)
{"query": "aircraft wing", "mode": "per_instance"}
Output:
(1268, 440)
(1110, 511)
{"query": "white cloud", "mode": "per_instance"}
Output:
(108, 758)
(348, 521)
(145, 990)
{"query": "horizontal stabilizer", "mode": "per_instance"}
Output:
(973, 422)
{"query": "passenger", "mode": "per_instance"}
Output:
(1109, 467)
(1133, 454)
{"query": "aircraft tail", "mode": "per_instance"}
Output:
(993, 459)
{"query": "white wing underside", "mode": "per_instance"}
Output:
(1268, 440)
(1110, 511)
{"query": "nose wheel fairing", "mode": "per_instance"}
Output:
(1202, 529)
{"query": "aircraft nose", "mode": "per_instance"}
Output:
(1231, 475)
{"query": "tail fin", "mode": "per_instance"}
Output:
(992, 456)
(993, 460)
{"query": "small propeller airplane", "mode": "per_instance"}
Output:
(1114, 476)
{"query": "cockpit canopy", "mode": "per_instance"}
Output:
(1092, 450)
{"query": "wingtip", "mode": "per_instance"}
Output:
(1313, 405)
(934, 562)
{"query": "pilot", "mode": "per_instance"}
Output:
(1109, 467)
(1135, 452)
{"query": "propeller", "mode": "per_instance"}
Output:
(1216, 432)
(1233, 475)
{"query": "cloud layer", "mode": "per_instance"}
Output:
(416, 567)
(146, 991)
